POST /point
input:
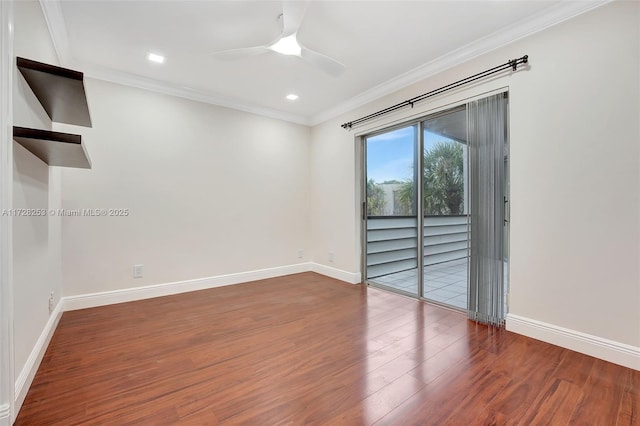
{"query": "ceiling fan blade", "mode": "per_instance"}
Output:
(243, 52)
(292, 14)
(325, 63)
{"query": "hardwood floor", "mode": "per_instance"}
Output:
(306, 349)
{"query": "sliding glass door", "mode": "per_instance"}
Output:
(445, 194)
(391, 221)
(436, 196)
(417, 227)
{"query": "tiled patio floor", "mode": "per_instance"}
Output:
(444, 282)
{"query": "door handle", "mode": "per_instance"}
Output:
(504, 210)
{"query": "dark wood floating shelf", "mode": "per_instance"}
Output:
(59, 90)
(54, 148)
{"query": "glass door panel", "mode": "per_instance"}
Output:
(445, 208)
(392, 253)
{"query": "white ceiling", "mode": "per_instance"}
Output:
(376, 40)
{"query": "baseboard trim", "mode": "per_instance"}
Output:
(92, 300)
(608, 350)
(24, 380)
(339, 274)
(5, 414)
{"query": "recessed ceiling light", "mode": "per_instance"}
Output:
(292, 97)
(287, 46)
(155, 58)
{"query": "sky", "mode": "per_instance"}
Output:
(390, 155)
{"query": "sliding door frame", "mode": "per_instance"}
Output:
(418, 184)
(419, 200)
(418, 119)
(419, 196)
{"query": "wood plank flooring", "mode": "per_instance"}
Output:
(306, 349)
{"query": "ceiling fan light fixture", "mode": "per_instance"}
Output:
(153, 57)
(287, 46)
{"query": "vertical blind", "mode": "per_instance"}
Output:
(487, 131)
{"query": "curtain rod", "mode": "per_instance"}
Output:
(512, 63)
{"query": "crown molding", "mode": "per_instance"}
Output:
(552, 16)
(520, 29)
(133, 80)
(52, 12)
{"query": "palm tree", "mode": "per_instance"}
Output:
(443, 181)
(375, 199)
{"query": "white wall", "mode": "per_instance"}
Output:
(6, 224)
(210, 191)
(575, 172)
(36, 240)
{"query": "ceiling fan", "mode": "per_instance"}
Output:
(287, 42)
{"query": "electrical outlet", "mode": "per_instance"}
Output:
(137, 271)
(51, 302)
(300, 253)
(331, 256)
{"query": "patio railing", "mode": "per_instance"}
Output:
(392, 242)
